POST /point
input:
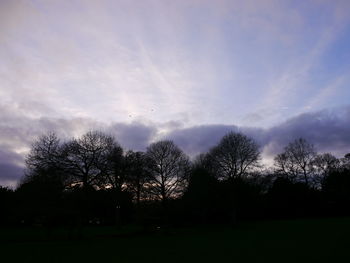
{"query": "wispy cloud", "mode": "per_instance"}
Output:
(326, 93)
(110, 60)
(155, 68)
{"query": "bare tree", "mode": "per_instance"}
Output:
(235, 156)
(285, 166)
(296, 160)
(87, 158)
(203, 161)
(136, 173)
(168, 169)
(44, 160)
(323, 165)
(44, 153)
(345, 161)
(114, 175)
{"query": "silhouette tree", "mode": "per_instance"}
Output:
(202, 195)
(87, 159)
(203, 162)
(136, 173)
(44, 152)
(40, 192)
(116, 180)
(296, 160)
(345, 161)
(7, 205)
(234, 156)
(336, 187)
(44, 164)
(323, 165)
(288, 199)
(90, 179)
(168, 168)
(114, 167)
(40, 195)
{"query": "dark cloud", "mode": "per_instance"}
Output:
(135, 136)
(199, 139)
(10, 173)
(18, 131)
(328, 130)
(11, 167)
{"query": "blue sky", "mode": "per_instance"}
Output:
(169, 65)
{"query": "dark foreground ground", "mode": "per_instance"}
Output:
(323, 240)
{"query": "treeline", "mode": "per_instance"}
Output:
(92, 180)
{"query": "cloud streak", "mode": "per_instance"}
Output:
(185, 70)
(116, 61)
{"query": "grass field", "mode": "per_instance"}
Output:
(323, 240)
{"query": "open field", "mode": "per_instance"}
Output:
(323, 240)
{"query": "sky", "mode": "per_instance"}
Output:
(185, 70)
